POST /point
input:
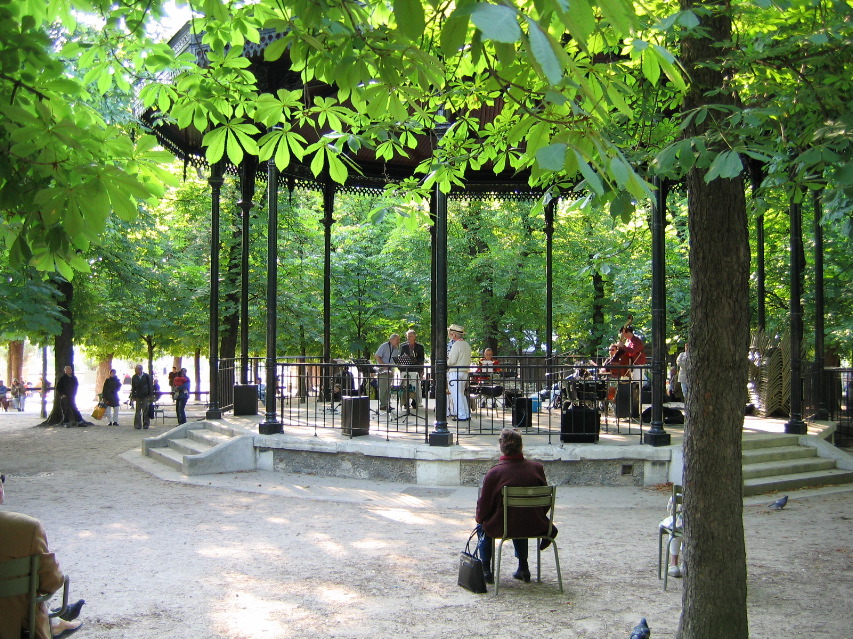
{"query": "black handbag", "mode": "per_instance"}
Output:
(471, 574)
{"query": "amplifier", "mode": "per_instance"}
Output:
(579, 424)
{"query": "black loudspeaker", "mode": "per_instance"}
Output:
(579, 424)
(627, 400)
(522, 412)
(355, 416)
(246, 399)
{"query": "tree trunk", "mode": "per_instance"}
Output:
(714, 595)
(104, 368)
(197, 365)
(15, 361)
(598, 330)
(63, 345)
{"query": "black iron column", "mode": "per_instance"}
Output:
(796, 425)
(247, 191)
(440, 436)
(328, 220)
(549, 279)
(271, 425)
(818, 396)
(433, 333)
(216, 181)
(656, 435)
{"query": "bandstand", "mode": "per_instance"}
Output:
(230, 388)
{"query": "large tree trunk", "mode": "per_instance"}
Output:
(714, 595)
(104, 368)
(15, 361)
(63, 345)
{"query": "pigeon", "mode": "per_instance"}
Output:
(779, 504)
(641, 630)
(72, 611)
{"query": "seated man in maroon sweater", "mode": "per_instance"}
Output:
(511, 470)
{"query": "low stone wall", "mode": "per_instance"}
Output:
(345, 465)
(605, 472)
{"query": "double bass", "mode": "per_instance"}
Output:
(619, 362)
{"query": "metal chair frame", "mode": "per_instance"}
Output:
(529, 497)
(21, 577)
(673, 531)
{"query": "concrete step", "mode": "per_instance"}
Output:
(168, 456)
(207, 436)
(777, 453)
(787, 467)
(187, 446)
(751, 442)
(779, 483)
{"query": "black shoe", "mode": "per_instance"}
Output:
(414, 405)
(489, 577)
(383, 408)
(523, 574)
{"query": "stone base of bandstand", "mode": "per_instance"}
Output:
(613, 461)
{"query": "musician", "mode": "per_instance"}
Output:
(384, 356)
(634, 348)
(488, 364)
(412, 374)
(458, 363)
(486, 367)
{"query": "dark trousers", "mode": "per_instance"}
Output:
(180, 408)
(485, 551)
(70, 414)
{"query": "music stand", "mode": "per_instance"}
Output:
(408, 367)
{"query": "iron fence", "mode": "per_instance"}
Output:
(524, 392)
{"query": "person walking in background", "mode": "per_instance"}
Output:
(181, 384)
(19, 392)
(66, 388)
(681, 362)
(141, 393)
(109, 394)
(458, 363)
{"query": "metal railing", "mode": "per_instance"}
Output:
(526, 392)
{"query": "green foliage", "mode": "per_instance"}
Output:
(64, 168)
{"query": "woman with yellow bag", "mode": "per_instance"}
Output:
(109, 396)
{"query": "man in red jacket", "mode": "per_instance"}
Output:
(511, 470)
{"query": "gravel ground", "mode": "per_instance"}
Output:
(258, 555)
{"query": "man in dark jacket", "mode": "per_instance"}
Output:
(66, 390)
(511, 470)
(141, 392)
